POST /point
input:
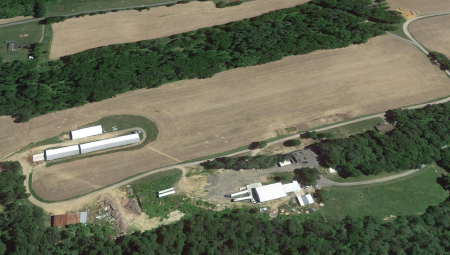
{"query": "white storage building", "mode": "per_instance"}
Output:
(109, 143)
(52, 154)
(305, 200)
(85, 132)
(269, 192)
(291, 187)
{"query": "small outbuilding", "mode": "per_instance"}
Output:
(305, 199)
(384, 127)
(67, 219)
(86, 132)
(109, 143)
(284, 163)
(291, 187)
(63, 152)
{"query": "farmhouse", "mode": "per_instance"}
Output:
(86, 132)
(109, 143)
(384, 127)
(66, 219)
(305, 200)
(52, 154)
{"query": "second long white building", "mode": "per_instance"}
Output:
(109, 143)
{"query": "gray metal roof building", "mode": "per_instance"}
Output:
(109, 143)
(52, 154)
(86, 132)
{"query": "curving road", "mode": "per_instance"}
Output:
(87, 12)
(67, 205)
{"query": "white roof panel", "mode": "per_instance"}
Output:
(38, 157)
(85, 132)
(270, 192)
(51, 152)
(291, 187)
(285, 163)
(305, 200)
(109, 141)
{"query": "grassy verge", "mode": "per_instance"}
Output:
(23, 33)
(336, 178)
(74, 6)
(407, 195)
(146, 190)
(283, 177)
(122, 122)
(47, 141)
(355, 128)
(47, 43)
(399, 31)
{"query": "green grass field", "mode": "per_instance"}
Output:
(336, 178)
(30, 32)
(74, 6)
(399, 31)
(407, 195)
(283, 177)
(355, 128)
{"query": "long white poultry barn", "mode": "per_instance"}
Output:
(86, 132)
(63, 152)
(109, 143)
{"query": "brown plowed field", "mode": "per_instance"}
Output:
(422, 6)
(232, 109)
(6, 21)
(79, 34)
(433, 33)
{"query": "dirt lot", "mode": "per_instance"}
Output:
(79, 34)
(5, 21)
(422, 6)
(232, 109)
(433, 33)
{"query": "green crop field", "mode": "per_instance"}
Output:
(74, 6)
(406, 195)
(23, 33)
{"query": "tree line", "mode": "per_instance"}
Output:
(441, 59)
(230, 231)
(36, 8)
(417, 139)
(28, 89)
(245, 162)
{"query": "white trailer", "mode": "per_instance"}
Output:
(167, 193)
(241, 198)
(166, 190)
(239, 193)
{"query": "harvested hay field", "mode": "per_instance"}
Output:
(433, 33)
(6, 21)
(421, 6)
(79, 34)
(203, 117)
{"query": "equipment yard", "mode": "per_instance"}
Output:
(433, 33)
(79, 34)
(194, 121)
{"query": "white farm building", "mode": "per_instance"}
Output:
(305, 200)
(260, 194)
(52, 154)
(109, 143)
(86, 132)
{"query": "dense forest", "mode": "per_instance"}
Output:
(418, 138)
(28, 90)
(246, 162)
(238, 231)
(14, 8)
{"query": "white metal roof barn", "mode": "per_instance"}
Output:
(85, 132)
(291, 187)
(109, 143)
(52, 154)
(269, 192)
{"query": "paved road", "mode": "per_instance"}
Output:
(323, 182)
(415, 42)
(87, 12)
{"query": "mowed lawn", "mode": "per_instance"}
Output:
(355, 128)
(407, 195)
(73, 6)
(24, 33)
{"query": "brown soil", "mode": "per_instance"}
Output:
(232, 109)
(408, 14)
(422, 6)
(76, 35)
(5, 21)
(433, 33)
